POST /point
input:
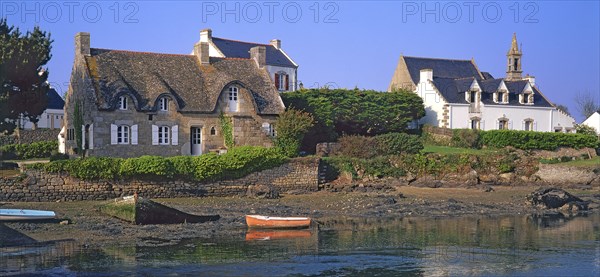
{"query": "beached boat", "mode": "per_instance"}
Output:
(20, 214)
(261, 221)
(140, 210)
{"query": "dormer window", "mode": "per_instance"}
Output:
(526, 98)
(282, 81)
(122, 103)
(473, 96)
(164, 104)
(504, 97)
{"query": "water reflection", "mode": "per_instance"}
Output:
(510, 245)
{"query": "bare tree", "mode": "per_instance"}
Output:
(564, 109)
(586, 103)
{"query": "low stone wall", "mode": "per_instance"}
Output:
(298, 174)
(30, 136)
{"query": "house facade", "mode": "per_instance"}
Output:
(128, 104)
(593, 121)
(52, 117)
(283, 71)
(457, 95)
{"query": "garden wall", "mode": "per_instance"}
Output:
(298, 174)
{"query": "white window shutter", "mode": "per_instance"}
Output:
(91, 136)
(175, 135)
(154, 135)
(535, 126)
(265, 127)
(82, 137)
(510, 124)
(113, 134)
(134, 134)
(523, 125)
(482, 125)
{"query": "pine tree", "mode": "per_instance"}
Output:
(23, 78)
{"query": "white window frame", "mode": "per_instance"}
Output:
(164, 135)
(122, 103)
(123, 134)
(234, 95)
(163, 104)
(504, 126)
(528, 123)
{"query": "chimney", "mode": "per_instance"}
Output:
(276, 43)
(82, 44)
(531, 79)
(206, 35)
(426, 74)
(201, 52)
(259, 55)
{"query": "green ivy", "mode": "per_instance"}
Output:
(227, 130)
(78, 122)
(41, 149)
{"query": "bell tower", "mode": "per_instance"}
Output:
(513, 71)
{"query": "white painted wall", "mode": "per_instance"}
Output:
(594, 122)
(291, 72)
(50, 119)
(516, 116)
(459, 116)
(433, 102)
(563, 121)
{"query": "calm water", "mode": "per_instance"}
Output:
(512, 245)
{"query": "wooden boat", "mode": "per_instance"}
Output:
(254, 234)
(20, 214)
(140, 210)
(261, 221)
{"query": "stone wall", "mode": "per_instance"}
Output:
(30, 136)
(298, 174)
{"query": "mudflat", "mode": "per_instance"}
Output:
(88, 226)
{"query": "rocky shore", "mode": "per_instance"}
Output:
(88, 226)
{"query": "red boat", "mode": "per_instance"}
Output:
(261, 221)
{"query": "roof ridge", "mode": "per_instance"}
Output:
(247, 42)
(437, 59)
(141, 52)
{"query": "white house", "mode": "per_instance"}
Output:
(457, 95)
(52, 117)
(593, 121)
(283, 71)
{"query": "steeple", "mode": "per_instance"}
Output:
(513, 71)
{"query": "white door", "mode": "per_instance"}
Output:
(196, 141)
(233, 99)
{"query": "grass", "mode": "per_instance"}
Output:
(455, 150)
(593, 162)
(123, 211)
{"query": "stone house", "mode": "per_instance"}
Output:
(457, 95)
(127, 104)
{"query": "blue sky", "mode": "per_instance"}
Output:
(343, 43)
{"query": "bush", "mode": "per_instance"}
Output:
(41, 149)
(58, 156)
(527, 140)
(291, 126)
(357, 147)
(237, 162)
(398, 144)
(465, 138)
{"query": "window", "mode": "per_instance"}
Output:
(70, 134)
(473, 97)
(233, 99)
(528, 98)
(505, 97)
(123, 134)
(164, 104)
(475, 124)
(503, 124)
(528, 125)
(122, 103)
(163, 135)
(213, 131)
(282, 81)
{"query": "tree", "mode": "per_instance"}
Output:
(291, 127)
(585, 129)
(23, 78)
(586, 104)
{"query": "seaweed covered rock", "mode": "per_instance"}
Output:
(262, 191)
(554, 198)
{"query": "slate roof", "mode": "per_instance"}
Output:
(453, 90)
(196, 88)
(55, 102)
(240, 49)
(442, 68)
(486, 75)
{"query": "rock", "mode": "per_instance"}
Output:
(553, 198)
(262, 191)
(64, 222)
(507, 176)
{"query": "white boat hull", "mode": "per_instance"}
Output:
(19, 214)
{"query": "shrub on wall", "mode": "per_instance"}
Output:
(383, 145)
(527, 140)
(29, 151)
(291, 127)
(465, 138)
(237, 162)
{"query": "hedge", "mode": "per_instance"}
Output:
(41, 149)
(236, 163)
(527, 140)
(382, 145)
